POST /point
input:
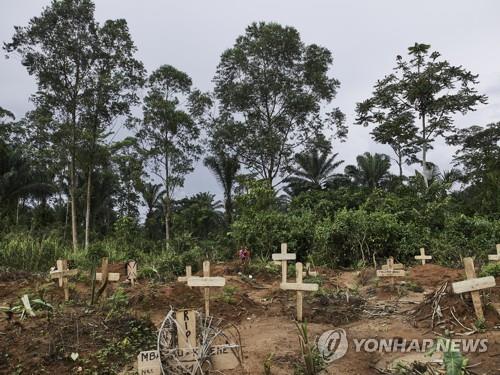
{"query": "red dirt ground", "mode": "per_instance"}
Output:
(355, 301)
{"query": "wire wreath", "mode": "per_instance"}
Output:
(210, 332)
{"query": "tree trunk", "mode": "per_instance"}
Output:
(228, 208)
(66, 219)
(87, 211)
(424, 151)
(17, 211)
(72, 191)
(400, 165)
(167, 200)
(167, 224)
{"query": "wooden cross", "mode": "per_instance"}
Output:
(395, 266)
(206, 282)
(473, 285)
(62, 273)
(184, 279)
(104, 276)
(308, 271)
(284, 257)
(496, 257)
(422, 256)
(300, 287)
(132, 271)
(391, 270)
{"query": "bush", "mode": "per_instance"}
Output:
(490, 269)
(355, 235)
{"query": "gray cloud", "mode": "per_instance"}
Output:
(364, 36)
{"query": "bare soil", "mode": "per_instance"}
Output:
(108, 337)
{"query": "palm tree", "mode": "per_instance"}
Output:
(314, 169)
(224, 167)
(199, 215)
(372, 170)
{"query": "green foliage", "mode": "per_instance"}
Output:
(268, 363)
(119, 349)
(313, 171)
(281, 111)
(354, 235)
(23, 251)
(312, 362)
(490, 269)
(372, 170)
(423, 87)
(227, 295)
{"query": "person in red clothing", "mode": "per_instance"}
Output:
(244, 255)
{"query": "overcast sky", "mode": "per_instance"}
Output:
(364, 37)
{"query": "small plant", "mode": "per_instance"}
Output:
(453, 360)
(313, 363)
(480, 325)
(117, 302)
(268, 363)
(490, 269)
(228, 294)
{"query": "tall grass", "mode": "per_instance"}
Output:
(21, 251)
(24, 251)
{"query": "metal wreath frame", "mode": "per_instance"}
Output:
(208, 330)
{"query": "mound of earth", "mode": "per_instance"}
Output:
(445, 310)
(430, 275)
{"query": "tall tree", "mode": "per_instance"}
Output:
(424, 87)
(85, 75)
(129, 168)
(225, 167)
(372, 170)
(271, 87)
(168, 133)
(395, 127)
(479, 157)
(116, 76)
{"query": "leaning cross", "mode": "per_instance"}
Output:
(104, 276)
(496, 257)
(422, 256)
(206, 282)
(473, 285)
(284, 257)
(62, 273)
(391, 270)
(300, 287)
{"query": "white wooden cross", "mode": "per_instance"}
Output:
(391, 270)
(62, 273)
(300, 287)
(132, 271)
(473, 285)
(284, 257)
(104, 276)
(422, 256)
(206, 282)
(496, 257)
